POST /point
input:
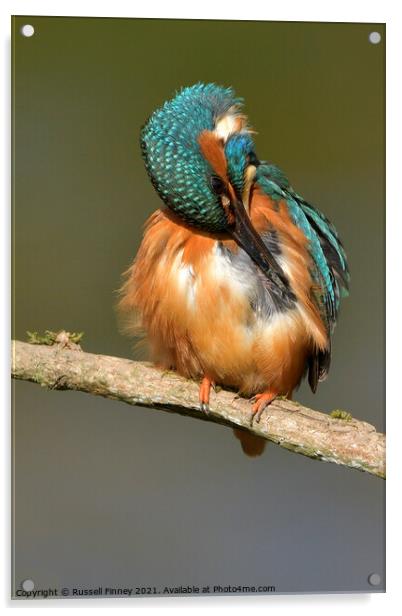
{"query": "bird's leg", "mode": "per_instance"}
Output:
(204, 392)
(261, 401)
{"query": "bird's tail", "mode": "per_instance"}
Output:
(252, 445)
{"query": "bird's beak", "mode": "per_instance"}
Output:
(250, 240)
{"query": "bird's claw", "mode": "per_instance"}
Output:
(255, 417)
(204, 407)
(260, 403)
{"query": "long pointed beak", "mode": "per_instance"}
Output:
(249, 239)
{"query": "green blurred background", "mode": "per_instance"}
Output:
(111, 495)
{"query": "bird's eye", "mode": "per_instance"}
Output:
(218, 185)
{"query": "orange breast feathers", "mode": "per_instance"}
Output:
(197, 305)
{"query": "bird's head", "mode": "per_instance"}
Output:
(199, 154)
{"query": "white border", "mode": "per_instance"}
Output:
(388, 11)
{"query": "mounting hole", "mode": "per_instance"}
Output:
(374, 38)
(374, 579)
(28, 585)
(27, 30)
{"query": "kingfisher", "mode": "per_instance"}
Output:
(238, 279)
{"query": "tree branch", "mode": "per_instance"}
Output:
(63, 365)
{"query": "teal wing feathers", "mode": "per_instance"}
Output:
(330, 270)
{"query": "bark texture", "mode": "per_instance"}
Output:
(63, 365)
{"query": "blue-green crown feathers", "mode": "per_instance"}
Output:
(178, 170)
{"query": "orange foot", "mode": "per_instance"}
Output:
(261, 401)
(203, 395)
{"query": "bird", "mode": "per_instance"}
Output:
(238, 279)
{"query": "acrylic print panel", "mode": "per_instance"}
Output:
(117, 499)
